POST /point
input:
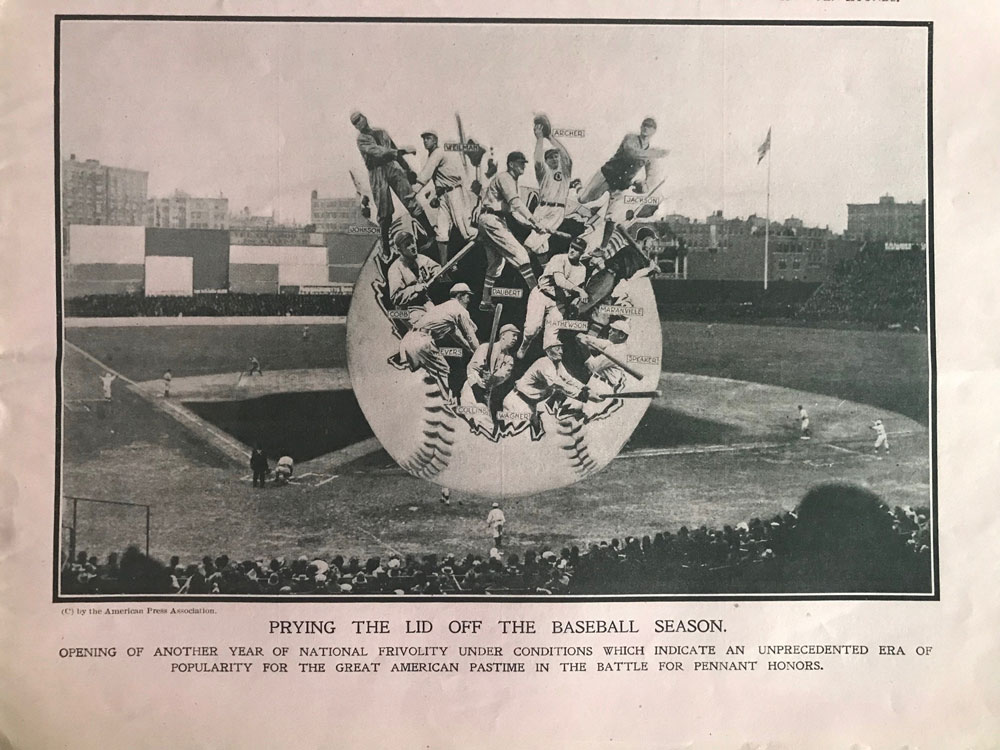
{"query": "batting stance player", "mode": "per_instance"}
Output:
(605, 375)
(502, 202)
(633, 154)
(409, 273)
(560, 284)
(386, 173)
(445, 171)
(553, 170)
(419, 347)
(545, 378)
(482, 376)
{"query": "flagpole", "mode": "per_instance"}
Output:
(767, 219)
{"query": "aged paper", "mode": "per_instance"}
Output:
(616, 377)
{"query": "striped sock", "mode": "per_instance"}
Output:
(528, 274)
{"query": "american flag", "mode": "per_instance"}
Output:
(764, 147)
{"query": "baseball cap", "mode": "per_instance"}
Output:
(460, 288)
(551, 152)
(428, 132)
(496, 505)
(578, 243)
(620, 325)
(516, 156)
(356, 117)
(511, 328)
(649, 122)
(403, 238)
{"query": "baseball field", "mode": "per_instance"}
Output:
(720, 446)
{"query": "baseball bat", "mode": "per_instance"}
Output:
(629, 394)
(489, 350)
(461, 141)
(630, 370)
(453, 261)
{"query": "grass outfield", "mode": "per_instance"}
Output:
(887, 369)
(204, 504)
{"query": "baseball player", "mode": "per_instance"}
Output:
(501, 203)
(634, 154)
(560, 285)
(445, 171)
(482, 377)
(409, 273)
(167, 380)
(805, 433)
(553, 169)
(605, 375)
(387, 174)
(419, 347)
(545, 378)
(106, 380)
(283, 470)
(495, 521)
(253, 367)
(881, 439)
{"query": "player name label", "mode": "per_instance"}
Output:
(472, 410)
(470, 148)
(569, 132)
(642, 359)
(503, 291)
(514, 416)
(620, 310)
(399, 314)
(641, 199)
(370, 229)
(572, 325)
(451, 351)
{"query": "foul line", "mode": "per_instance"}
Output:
(169, 407)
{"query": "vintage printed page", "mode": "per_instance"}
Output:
(457, 375)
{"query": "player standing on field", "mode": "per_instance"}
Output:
(495, 521)
(881, 438)
(106, 380)
(804, 432)
(167, 379)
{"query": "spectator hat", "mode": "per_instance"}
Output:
(460, 288)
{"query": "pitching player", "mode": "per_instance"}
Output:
(409, 274)
(482, 376)
(387, 175)
(545, 378)
(634, 154)
(560, 286)
(168, 378)
(805, 433)
(106, 380)
(553, 170)
(502, 203)
(419, 347)
(445, 171)
(881, 439)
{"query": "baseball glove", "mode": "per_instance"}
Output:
(546, 125)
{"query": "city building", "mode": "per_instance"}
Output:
(94, 193)
(245, 220)
(335, 214)
(887, 221)
(183, 211)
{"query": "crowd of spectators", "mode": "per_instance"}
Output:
(840, 538)
(877, 286)
(207, 305)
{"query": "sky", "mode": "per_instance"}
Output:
(260, 111)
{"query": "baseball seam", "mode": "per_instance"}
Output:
(575, 446)
(432, 455)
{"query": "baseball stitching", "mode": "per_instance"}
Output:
(574, 443)
(438, 436)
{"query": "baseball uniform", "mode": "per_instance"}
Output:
(419, 347)
(556, 287)
(501, 245)
(404, 278)
(553, 190)
(444, 170)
